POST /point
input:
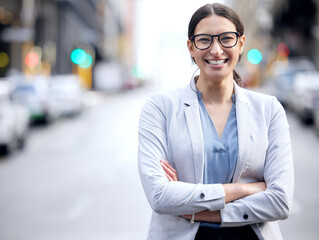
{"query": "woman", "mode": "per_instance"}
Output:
(215, 159)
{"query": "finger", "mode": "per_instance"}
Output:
(169, 177)
(166, 169)
(165, 166)
(165, 162)
(169, 172)
(169, 166)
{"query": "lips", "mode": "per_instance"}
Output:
(217, 62)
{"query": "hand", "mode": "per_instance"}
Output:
(256, 187)
(205, 216)
(234, 191)
(170, 172)
(189, 217)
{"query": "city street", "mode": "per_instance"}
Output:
(77, 178)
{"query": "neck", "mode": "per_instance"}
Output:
(216, 91)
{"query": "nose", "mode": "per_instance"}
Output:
(216, 48)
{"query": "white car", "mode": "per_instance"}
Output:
(66, 95)
(34, 94)
(14, 121)
(304, 97)
(284, 74)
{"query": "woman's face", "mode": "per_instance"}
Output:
(216, 62)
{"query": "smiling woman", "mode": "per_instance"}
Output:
(215, 159)
(215, 56)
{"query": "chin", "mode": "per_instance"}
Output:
(219, 77)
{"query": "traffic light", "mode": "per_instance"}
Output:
(81, 58)
(282, 50)
(32, 59)
(88, 60)
(254, 56)
(78, 56)
(4, 59)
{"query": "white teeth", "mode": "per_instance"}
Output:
(216, 62)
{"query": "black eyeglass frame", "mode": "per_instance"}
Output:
(212, 39)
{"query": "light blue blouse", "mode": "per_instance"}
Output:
(220, 154)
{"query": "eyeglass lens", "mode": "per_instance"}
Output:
(227, 39)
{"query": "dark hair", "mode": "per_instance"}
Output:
(220, 10)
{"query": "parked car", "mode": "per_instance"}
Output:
(14, 121)
(34, 94)
(284, 76)
(304, 97)
(66, 95)
(109, 76)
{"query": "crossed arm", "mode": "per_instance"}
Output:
(233, 191)
(254, 200)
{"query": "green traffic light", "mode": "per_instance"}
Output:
(78, 56)
(87, 61)
(254, 56)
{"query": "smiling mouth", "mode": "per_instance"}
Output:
(216, 62)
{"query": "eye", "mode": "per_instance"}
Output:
(203, 39)
(227, 38)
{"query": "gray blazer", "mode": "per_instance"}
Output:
(170, 128)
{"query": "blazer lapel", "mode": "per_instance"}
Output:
(195, 130)
(244, 131)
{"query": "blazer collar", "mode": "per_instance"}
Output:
(194, 125)
(190, 94)
(239, 94)
(243, 116)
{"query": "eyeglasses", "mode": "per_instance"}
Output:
(226, 39)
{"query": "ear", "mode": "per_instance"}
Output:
(190, 47)
(241, 43)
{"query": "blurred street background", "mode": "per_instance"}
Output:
(73, 77)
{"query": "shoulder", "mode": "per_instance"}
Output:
(164, 98)
(254, 95)
(261, 103)
(163, 102)
(259, 99)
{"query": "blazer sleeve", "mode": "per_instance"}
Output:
(165, 197)
(276, 201)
